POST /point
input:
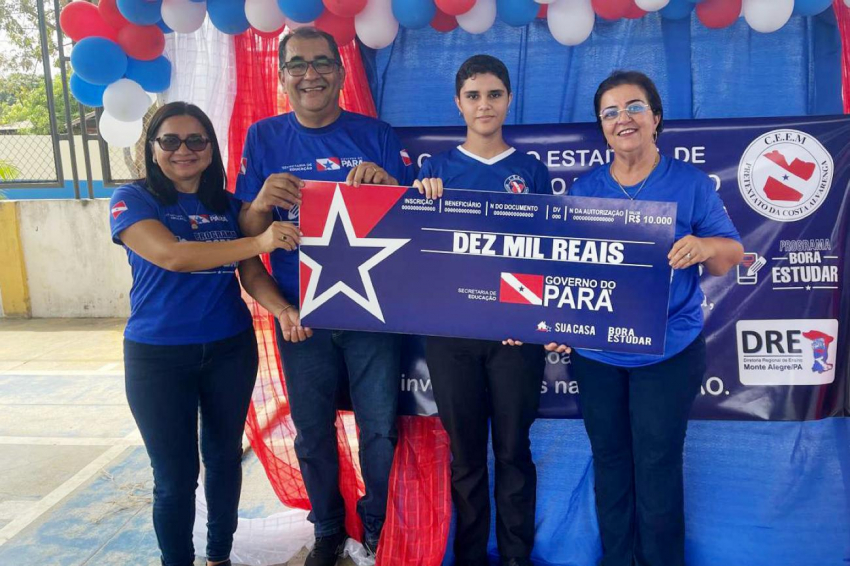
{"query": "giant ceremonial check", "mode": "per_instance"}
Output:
(588, 272)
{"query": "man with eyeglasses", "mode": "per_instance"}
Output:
(320, 141)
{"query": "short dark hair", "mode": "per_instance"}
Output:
(482, 64)
(308, 32)
(634, 78)
(212, 192)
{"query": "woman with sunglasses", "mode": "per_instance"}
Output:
(189, 345)
(636, 406)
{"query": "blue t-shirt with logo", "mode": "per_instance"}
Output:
(170, 308)
(280, 144)
(511, 171)
(700, 212)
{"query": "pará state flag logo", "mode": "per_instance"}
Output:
(785, 175)
(328, 164)
(405, 158)
(118, 209)
(521, 288)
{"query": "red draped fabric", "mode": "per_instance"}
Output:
(842, 13)
(419, 508)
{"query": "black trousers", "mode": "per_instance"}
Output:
(476, 381)
(636, 419)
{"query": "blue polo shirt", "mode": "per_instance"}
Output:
(511, 171)
(170, 308)
(280, 144)
(700, 212)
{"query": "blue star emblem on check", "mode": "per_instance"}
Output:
(341, 272)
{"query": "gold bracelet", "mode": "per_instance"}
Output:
(283, 310)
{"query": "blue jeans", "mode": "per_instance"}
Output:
(636, 420)
(166, 387)
(314, 371)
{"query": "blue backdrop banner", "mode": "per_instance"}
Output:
(777, 325)
(588, 272)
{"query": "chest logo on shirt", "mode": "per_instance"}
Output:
(516, 184)
(785, 175)
(118, 209)
(405, 158)
(328, 164)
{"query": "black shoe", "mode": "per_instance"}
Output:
(516, 562)
(327, 550)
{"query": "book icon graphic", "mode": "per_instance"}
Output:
(749, 268)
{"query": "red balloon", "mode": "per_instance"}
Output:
(634, 13)
(443, 22)
(611, 9)
(80, 20)
(269, 34)
(341, 28)
(345, 8)
(109, 12)
(454, 7)
(145, 43)
(718, 13)
(543, 12)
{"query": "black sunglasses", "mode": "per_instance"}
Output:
(171, 142)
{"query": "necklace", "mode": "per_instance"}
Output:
(640, 188)
(192, 219)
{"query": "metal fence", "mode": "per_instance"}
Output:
(64, 150)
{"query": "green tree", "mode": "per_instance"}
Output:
(26, 100)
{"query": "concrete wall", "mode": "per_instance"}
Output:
(72, 267)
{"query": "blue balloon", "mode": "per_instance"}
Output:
(228, 16)
(301, 11)
(810, 7)
(87, 93)
(164, 27)
(141, 12)
(517, 13)
(153, 76)
(677, 10)
(98, 60)
(414, 14)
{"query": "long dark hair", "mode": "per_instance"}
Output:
(634, 78)
(212, 192)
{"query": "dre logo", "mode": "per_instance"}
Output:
(787, 352)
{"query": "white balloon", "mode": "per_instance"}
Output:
(292, 24)
(847, 3)
(767, 16)
(184, 16)
(264, 15)
(126, 100)
(117, 133)
(375, 24)
(571, 21)
(651, 5)
(480, 18)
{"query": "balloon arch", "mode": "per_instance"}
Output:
(118, 59)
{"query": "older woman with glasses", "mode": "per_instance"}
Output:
(636, 406)
(189, 345)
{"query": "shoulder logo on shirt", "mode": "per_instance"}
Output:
(785, 175)
(243, 166)
(328, 164)
(118, 209)
(516, 184)
(405, 158)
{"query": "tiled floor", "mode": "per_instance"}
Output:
(75, 481)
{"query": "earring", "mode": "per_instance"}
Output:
(655, 136)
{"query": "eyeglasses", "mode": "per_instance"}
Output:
(299, 68)
(171, 142)
(611, 114)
